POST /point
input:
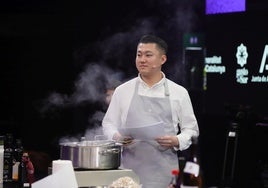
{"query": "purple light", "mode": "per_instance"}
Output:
(225, 6)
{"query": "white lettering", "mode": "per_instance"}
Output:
(241, 75)
(242, 80)
(263, 61)
(259, 79)
(255, 79)
(215, 69)
(243, 71)
(213, 60)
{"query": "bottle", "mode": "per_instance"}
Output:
(8, 158)
(22, 179)
(1, 159)
(174, 182)
(18, 151)
(191, 176)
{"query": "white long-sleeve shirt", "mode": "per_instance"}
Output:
(181, 107)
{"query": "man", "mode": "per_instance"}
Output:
(29, 169)
(147, 100)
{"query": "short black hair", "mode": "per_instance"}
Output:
(154, 39)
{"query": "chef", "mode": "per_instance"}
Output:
(147, 103)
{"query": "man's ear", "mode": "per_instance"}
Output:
(164, 59)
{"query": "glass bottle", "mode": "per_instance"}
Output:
(8, 158)
(18, 151)
(1, 159)
(174, 183)
(191, 176)
(22, 179)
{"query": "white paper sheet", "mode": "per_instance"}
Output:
(62, 176)
(147, 132)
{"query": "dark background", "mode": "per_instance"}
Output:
(57, 56)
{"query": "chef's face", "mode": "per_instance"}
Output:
(149, 59)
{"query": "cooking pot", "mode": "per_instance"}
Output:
(97, 154)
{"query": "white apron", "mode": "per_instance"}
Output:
(150, 161)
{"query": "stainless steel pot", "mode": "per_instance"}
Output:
(101, 154)
(69, 151)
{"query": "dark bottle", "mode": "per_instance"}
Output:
(18, 151)
(191, 176)
(1, 160)
(22, 179)
(174, 183)
(8, 158)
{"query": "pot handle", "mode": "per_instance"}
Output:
(100, 137)
(110, 151)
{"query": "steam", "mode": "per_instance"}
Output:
(88, 88)
(90, 84)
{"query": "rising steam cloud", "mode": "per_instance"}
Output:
(88, 88)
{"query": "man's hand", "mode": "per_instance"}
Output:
(125, 140)
(168, 141)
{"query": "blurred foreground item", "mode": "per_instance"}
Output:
(175, 180)
(191, 176)
(125, 181)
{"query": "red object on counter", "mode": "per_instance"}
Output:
(174, 183)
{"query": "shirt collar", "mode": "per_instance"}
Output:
(161, 82)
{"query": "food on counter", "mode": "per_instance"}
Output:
(124, 182)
